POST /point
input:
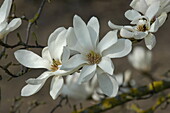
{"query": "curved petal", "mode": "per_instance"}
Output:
(113, 26)
(87, 73)
(74, 62)
(42, 78)
(162, 18)
(14, 24)
(29, 89)
(93, 27)
(56, 43)
(72, 41)
(108, 40)
(150, 41)
(66, 54)
(31, 60)
(139, 5)
(56, 86)
(132, 14)
(46, 54)
(5, 9)
(152, 10)
(82, 33)
(155, 26)
(120, 49)
(106, 65)
(140, 35)
(108, 84)
(126, 33)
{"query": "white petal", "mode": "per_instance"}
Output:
(108, 40)
(162, 18)
(119, 79)
(108, 84)
(29, 89)
(82, 33)
(150, 41)
(30, 59)
(93, 27)
(139, 5)
(56, 86)
(14, 24)
(66, 54)
(5, 9)
(126, 33)
(72, 41)
(120, 49)
(3, 26)
(155, 26)
(87, 73)
(42, 78)
(56, 42)
(106, 65)
(140, 35)
(74, 62)
(113, 26)
(46, 54)
(152, 10)
(132, 14)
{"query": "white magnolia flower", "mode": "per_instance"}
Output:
(144, 25)
(141, 59)
(52, 58)
(5, 28)
(125, 81)
(94, 56)
(143, 5)
(78, 91)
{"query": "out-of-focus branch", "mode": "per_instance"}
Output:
(135, 93)
(159, 102)
(60, 104)
(33, 20)
(34, 105)
(5, 68)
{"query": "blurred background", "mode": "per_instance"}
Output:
(60, 13)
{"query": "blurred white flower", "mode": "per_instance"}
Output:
(141, 59)
(144, 25)
(78, 91)
(52, 58)
(143, 5)
(94, 56)
(5, 28)
(125, 81)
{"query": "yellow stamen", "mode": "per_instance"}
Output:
(93, 58)
(54, 66)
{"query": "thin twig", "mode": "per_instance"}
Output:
(33, 20)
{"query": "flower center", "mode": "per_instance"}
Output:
(142, 28)
(54, 66)
(143, 25)
(93, 58)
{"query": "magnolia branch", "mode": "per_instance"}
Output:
(160, 101)
(33, 20)
(135, 93)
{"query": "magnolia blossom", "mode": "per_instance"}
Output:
(125, 82)
(52, 58)
(5, 28)
(78, 91)
(144, 25)
(143, 5)
(93, 56)
(141, 59)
